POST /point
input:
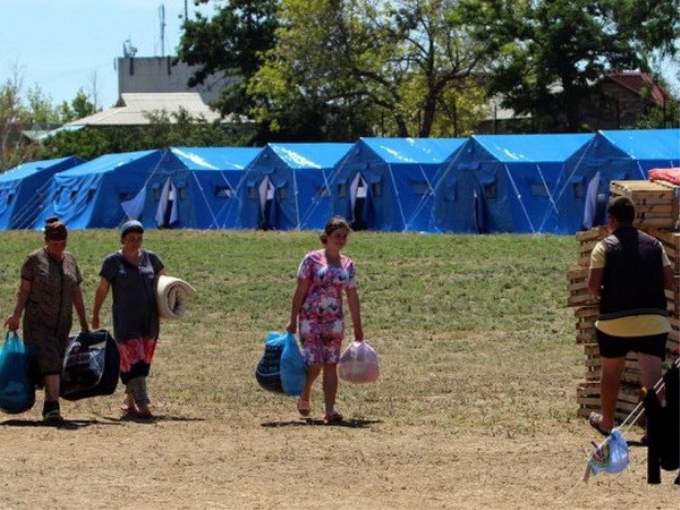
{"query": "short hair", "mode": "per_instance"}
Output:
(55, 230)
(622, 209)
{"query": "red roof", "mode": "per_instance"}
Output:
(637, 82)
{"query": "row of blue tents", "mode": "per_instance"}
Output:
(550, 183)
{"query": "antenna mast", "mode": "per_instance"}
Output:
(161, 15)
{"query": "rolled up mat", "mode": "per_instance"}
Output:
(172, 295)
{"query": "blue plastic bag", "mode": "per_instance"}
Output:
(282, 368)
(293, 366)
(611, 456)
(17, 386)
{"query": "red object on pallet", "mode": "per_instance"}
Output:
(671, 175)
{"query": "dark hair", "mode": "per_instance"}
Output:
(54, 229)
(335, 223)
(622, 209)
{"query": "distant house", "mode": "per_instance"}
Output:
(134, 110)
(159, 74)
(618, 101)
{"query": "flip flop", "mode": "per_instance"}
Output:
(334, 417)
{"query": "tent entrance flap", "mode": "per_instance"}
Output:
(167, 212)
(266, 198)
(358, 196)
(134, 207)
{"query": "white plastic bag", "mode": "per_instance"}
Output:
(359, 363)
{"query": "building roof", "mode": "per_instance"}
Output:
(638, 82)
(132, 109)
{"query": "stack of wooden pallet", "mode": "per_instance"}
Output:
(656, 207)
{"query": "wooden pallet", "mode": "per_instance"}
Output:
(588, 399)
(587, 241)
(577, 285)
(656, 202)
(671, 244)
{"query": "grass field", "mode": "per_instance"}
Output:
(475, 407)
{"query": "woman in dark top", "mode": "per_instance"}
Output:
(48, 293)
(131, 274)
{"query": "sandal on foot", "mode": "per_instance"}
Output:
(303, 407)
(334, 417)
(595, 421)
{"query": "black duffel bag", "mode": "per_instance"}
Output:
(91, 366)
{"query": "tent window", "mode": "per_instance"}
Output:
(157, 194)
(342, 190)
(538, 189)
(90, 194)
(125, 196)
(252, 192)
(323, 191)
(282, 193)
(579, 189)
(448, 191)
(223, 192)
(421, 187)
(10, 198)
(57, 195)
(182, 192)
(74, 194)
(490, 190)
(376, 189)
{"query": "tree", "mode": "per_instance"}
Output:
(231, 42)
(365, 61)
(13, 120)
(81, 106)
(548, 53)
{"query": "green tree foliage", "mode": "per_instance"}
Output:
(81, 106)
(548, 53)
(231, 42)
(386, 67)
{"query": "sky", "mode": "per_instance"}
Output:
(65, 45)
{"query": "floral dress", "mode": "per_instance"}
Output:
(321, 320)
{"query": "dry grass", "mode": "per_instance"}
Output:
(475, 407)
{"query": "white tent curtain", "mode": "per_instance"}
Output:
(265, 192)
(590, 211)
(134, 207)
(357, 190)
(168, 199)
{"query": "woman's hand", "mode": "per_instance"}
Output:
(12, 323)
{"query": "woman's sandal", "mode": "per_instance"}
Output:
(303, 407)
(595, 421)
(334, 417)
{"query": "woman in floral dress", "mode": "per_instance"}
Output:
(317, 311)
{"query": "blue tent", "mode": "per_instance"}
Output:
(218, 172)
(609, 156)
(23, 189)
(386, 183)
(287, 186)
(152, 186)
(504, 183)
